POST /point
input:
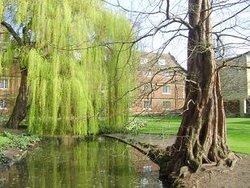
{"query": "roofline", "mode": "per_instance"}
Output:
(159, 55)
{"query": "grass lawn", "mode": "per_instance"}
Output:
(160, 125)
(238, 130)
(239, 134)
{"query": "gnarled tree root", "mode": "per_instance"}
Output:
(175, 169)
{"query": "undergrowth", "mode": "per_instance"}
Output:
(19, 141)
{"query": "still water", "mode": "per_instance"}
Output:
(68, 163)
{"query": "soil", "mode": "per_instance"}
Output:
(208, 177)
(238, 177)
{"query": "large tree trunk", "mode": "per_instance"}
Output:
(20, 109)
(202, 134)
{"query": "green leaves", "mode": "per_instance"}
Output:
(79, 60)
(69, 93)
(20, 141)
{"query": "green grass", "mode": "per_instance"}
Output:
(238, 130)
(239, 134)
(4, 140)
(160, 125)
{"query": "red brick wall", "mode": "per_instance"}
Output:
(8, 95)
(154, 89)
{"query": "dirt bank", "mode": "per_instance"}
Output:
(16, 148)
(210, 177)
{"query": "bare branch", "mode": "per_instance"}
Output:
(232, 16)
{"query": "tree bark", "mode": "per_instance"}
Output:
(20, 109)
(202, 135)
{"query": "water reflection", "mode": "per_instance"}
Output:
(66, 163)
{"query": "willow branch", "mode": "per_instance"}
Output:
(12, 32)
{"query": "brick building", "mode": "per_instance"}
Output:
(9, 82)
(9, 86)
(161, 85)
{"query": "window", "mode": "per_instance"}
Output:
(4, 83)
(147, 88)
(148, 73)
(3, 104)
(78, 56)
(147, 105)
(166, 89)
(167, 73)
(144, 61)
(166, 105)
(161, 62)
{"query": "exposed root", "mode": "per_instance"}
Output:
(177, 167)
(238, 156)
(231, 160)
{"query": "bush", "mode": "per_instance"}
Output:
(135, 125)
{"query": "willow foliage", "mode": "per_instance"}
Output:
(80, 65)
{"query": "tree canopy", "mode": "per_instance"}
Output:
(79, 61)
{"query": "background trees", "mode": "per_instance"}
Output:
(75, 63)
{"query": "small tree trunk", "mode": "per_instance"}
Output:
(20, 109)
(202, 134)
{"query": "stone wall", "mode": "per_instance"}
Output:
(235, 82)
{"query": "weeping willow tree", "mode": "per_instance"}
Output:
(76, 60)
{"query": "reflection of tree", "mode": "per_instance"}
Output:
(68, 163)
(86, 164)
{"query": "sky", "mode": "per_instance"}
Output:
(238, 26)
(143, 23)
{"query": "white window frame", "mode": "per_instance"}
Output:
(78, 56)
(147, 88)
(162, 62)
(4, 83)
(167, 91)
(3, 104)
(148, 73)
(168, 74)
(149, 106)
(163, 106)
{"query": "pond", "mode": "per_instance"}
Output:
(70, 163)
